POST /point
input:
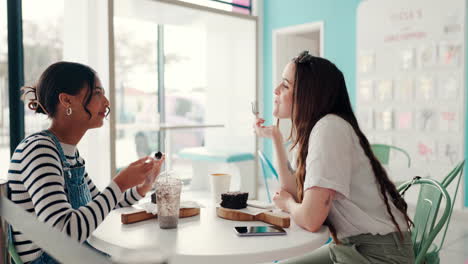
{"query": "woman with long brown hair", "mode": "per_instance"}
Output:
(335, 180)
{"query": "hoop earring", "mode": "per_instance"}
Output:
(69, 111)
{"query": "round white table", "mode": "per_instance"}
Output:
(204, 238)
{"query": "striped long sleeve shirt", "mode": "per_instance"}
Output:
(37, 184)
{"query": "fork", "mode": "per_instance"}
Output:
(254, 109)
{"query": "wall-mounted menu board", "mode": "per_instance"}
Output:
(410, 80)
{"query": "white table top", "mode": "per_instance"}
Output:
(205, 238)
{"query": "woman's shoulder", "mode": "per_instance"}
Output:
(332, 122)
(37, 141)
(331, 132)
(38, 137)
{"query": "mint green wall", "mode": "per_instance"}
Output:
(339, 18)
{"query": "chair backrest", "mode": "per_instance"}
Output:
(456, 172)
(382, 152)
(426, 223)
(265, 161)
(267, 169)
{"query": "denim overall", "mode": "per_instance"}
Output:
(78, 193)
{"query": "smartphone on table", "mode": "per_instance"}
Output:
(259, 231)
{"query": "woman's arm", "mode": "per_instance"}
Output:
(130, 197)
(312, 212)
(37, 165)
(286, 176)
(139, 191)
(287, 180)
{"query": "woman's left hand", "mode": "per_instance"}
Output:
(147, 184)
(281, 200)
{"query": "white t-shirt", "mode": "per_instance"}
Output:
(337, 161)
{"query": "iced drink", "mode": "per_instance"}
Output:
(168, 197)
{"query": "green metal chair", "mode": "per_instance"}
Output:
(382, 152)
(15, 258)
(426, 223)
(457, 171)
(267, 168)
(13, 255)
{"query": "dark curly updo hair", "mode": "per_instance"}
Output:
(60, 77)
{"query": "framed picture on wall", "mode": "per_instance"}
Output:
(404, 90)
(425, 88)
(384, 119)
(384, 90)
(448, 88)
(366, 62)
(427, 56)
(426, 119)
(426, 149)
(366, 90)
(404, 119)
(407, 59)
(450, 54)
(449, 120)
(449, 150)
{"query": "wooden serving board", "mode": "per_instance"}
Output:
(130, 218)
(267, 217)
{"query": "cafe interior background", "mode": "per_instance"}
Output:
(181, 77)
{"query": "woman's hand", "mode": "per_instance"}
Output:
(137, 172)
(281, 200)
(144, 187)
(265, 131)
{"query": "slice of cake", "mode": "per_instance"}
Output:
(234, 200)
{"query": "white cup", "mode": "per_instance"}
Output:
(219, 184)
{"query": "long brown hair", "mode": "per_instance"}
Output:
(319, 90)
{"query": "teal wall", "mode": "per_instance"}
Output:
(339, 18)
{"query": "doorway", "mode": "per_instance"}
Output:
(287, 43)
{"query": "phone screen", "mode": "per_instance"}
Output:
(259, 230)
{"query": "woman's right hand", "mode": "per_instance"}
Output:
(265, 131)
(135, 173)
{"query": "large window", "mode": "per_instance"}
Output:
(68, 30)
(185, 89)
(43, 45)
(238, 6)
(198, 70)
(136, 81)
(140, 123)
(4, 113)
(176, 66)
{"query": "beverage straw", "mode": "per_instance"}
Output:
(167, 156)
